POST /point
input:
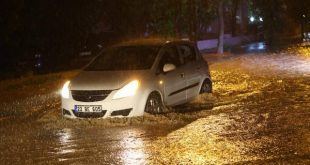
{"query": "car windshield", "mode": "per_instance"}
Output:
(125, 58)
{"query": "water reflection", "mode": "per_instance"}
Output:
(66, 142)
(123, 145)
(133, 147)
(257, 47)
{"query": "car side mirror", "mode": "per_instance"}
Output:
(169, 68)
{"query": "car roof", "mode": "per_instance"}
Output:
(152, 42)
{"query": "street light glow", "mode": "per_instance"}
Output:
(252, 19)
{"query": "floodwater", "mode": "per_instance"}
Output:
(119, 145)
(259, 113)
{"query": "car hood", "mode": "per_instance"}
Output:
(105, 80)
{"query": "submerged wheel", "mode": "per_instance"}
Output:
(154, 104)
(206, 87)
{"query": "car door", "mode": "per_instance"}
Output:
(174, 82)
(192, 67)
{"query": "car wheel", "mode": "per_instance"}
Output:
(154, 104)
(206, 87)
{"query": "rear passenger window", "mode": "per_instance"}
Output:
(187, 52)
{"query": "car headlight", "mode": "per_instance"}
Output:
(128, 90)
(65, 90)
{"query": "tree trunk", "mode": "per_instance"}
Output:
(220, 45)
(233, 17)
(193, 20)
(244, 13)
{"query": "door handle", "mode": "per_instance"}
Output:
(182, 75)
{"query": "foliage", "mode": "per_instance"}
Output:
(279, 14)
(162, 17)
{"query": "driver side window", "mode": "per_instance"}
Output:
(170, 56)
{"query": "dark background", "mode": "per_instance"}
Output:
(58, 30)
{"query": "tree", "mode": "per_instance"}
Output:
(281, 17)
(299, 10)
(220, 45)
(235, 7)
(167, 18)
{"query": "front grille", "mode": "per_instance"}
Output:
(89, 114)
(90, 96)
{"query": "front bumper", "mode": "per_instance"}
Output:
(124, 107)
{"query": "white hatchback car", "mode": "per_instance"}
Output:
(131, 78)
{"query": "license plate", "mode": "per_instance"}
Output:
(88, 108)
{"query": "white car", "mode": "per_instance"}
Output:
(136, 77)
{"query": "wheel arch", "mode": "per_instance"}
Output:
(157, 92)
(209, 81)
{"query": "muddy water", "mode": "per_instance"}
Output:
(31, 144)
(259, 113)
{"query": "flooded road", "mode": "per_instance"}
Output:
(118, 145)
(259, 113)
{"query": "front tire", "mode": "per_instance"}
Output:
(154, 104)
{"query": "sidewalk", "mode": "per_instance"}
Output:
(229, 41)
(235, 51)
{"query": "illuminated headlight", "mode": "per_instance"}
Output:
(128, 90)
(65, 90)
